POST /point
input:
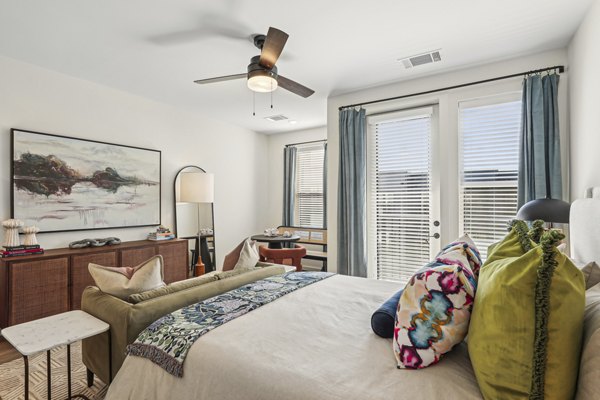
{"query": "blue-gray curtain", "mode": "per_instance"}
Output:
(325, 186)
(352, 199)
(289, 182)
(539, 153)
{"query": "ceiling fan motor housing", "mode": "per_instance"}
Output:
(255, 66)
(260, 78)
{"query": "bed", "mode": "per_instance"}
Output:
(315, 343)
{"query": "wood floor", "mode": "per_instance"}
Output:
(7, 352)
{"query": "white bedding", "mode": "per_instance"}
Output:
(314, 343)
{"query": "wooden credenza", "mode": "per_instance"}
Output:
(37, 286)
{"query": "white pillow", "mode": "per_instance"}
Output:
(125, 281)
(248, 255)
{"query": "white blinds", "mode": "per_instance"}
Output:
(399, 194)
(309, 186)
(489, 168)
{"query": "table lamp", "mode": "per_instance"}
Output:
(549, 210)
(197, 187)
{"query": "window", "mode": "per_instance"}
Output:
(400, 193)
(309, 193)
(489, 162)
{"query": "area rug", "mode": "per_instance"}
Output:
(11, 377)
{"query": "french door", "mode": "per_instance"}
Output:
(479, 167)
(403, 196)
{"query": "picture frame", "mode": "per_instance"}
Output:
(63, 183)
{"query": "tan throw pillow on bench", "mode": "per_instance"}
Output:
(124, 281)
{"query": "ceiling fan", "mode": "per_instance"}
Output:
(262, 73)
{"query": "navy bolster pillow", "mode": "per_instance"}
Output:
(382, 320)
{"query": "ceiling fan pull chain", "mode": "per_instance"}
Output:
(254, 104)
(271, 94)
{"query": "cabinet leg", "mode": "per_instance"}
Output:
(90, 378)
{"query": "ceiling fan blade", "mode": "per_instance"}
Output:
(209, 25)
(272, 47)
(294, 87)
(221, 79)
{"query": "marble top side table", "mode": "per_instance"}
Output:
(47, 333)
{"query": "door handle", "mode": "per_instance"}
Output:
(435, 236)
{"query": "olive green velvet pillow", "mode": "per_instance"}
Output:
(527, 321)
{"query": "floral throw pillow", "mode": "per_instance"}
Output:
(434, 309)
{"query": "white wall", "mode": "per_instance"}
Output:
(584, 92)
(448, 107)
(36, 99)
(276, 143)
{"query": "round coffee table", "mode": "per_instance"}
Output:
(275, 242)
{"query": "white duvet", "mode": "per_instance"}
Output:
(314, 343)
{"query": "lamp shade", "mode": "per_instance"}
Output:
(549, 210)
(197, 187)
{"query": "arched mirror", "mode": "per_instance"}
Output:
(194, 216)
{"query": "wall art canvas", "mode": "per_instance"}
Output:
(62, 183)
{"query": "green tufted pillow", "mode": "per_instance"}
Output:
(527, 320)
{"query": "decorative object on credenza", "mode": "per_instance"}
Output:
(30, 238)
(64, 184)
(12, 246)
(80, 244)
(161, 233)
(21, 250)
(11, 232)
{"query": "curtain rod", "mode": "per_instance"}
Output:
(560, 69)
(309, 142)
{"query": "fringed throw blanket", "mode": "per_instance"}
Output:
(167, 341)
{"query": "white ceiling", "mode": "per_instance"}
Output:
(156, 49)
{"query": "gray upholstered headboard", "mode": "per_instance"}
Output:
(584, 227)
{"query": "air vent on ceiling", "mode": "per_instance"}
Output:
(421, 59)
(276, 118)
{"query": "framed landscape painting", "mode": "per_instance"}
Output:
(61, 183)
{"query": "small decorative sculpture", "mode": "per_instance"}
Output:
(30, 238)
(80, 244)
(11, 232)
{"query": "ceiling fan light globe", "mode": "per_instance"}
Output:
(261, 81)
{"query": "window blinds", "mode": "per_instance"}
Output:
(489, 164)
(309, 186)
(399, 194)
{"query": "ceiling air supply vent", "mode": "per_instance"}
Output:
(276, 118)
(421, 59)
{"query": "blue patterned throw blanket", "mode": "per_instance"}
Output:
(167, 341)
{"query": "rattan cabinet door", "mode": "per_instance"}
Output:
(38, 289)
(80, 275)
(136, 256)
(175, 257)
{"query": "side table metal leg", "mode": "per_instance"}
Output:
(26, 361)
(49, 375)
(110, 373)
(69, 371)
